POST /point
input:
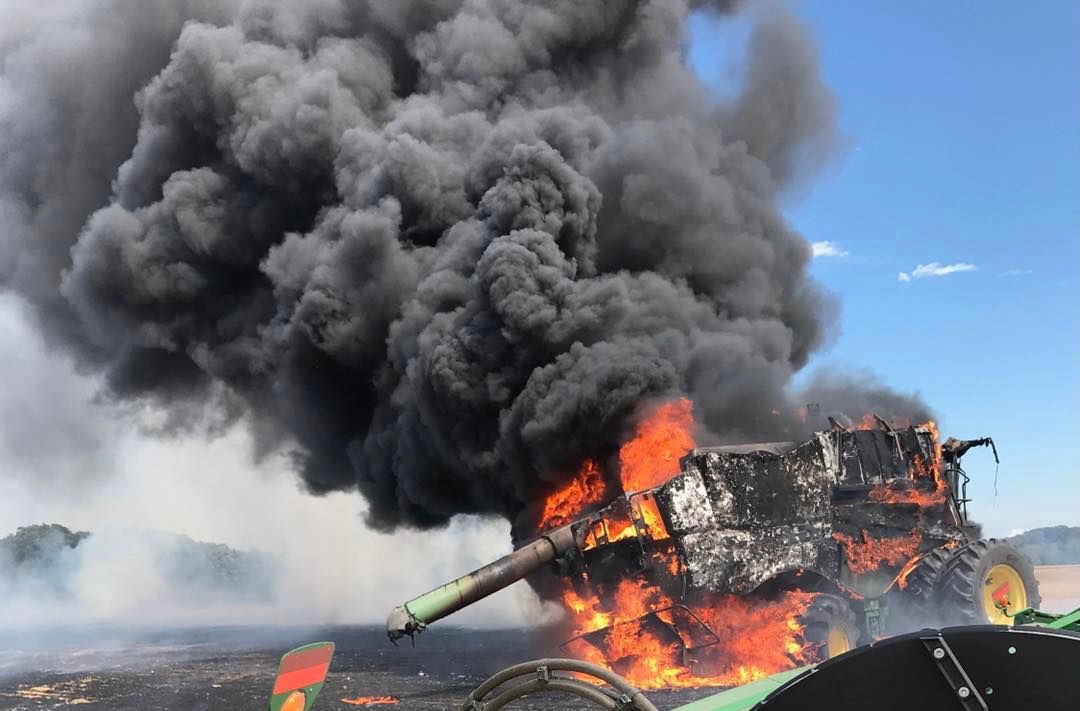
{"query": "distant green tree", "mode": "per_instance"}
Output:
(40, 543)
(1053, 545)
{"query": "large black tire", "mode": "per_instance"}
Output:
(918, 605)
(974, 572)
(829, 622)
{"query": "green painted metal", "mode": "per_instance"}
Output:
(1068, 621)
(743, 698)
(431, 606)
(311, 691)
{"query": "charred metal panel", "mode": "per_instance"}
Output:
(869, 457)
(741, 518)
(811, 481)
(717, 487)
(892, 520)
(686, 505)
(759, 490)
(729, 561)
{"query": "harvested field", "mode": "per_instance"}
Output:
(1059, 586)
(232, 668)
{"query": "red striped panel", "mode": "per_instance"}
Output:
(308, 658)
(300, 678)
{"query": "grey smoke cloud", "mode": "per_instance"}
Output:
(125, 573)
(52, 432)
(438, 251)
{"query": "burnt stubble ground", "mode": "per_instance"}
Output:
(232, 669)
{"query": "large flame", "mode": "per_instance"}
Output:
(630, 629)
(870, 554)
(652, 456)
(584, 490)
(754, 637)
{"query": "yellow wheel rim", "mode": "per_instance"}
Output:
(296, 701)
(838, 641)
(1004, 594)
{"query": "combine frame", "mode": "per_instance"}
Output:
(873, 521)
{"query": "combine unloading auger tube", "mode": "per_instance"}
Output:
(975, 668)
(416, 614)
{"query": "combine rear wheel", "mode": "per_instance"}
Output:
(918, 607)
(830, 623)
(987, 582)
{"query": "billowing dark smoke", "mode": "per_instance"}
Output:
(441, 250)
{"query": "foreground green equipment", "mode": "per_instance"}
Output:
(300, 677)
(1070, 621)
(971, 668)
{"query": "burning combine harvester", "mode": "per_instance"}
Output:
(754, 558)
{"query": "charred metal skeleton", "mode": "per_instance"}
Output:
(874, 520)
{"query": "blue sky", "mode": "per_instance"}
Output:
(962, 127)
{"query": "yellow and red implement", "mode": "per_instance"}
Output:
(301, 676)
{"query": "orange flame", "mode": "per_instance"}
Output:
(647, 460)
(870, 554)
(371, 701)
(923, 475)
(868, 422)
(629, 631)
(901, 578)
(754, 637)
(586, 489)
(935, 466)
(652, 456)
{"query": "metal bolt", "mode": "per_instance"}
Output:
(964, 692)
(939, 653)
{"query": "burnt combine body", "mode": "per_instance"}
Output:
(738, 517)
(870, 522)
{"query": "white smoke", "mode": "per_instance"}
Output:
(330, 567)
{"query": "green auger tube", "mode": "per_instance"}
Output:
(416, 614)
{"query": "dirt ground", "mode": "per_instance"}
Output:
(231, 669)
(1059, 586)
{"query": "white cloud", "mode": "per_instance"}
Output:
(935, 269)
(827, 249)
(1016, 272)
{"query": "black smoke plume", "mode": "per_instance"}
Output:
(439, 250)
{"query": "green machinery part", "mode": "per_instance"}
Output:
(1068, 621)
(969, 668)
(416, 614)
(744, 698)
(301, 675)
(747, 696)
